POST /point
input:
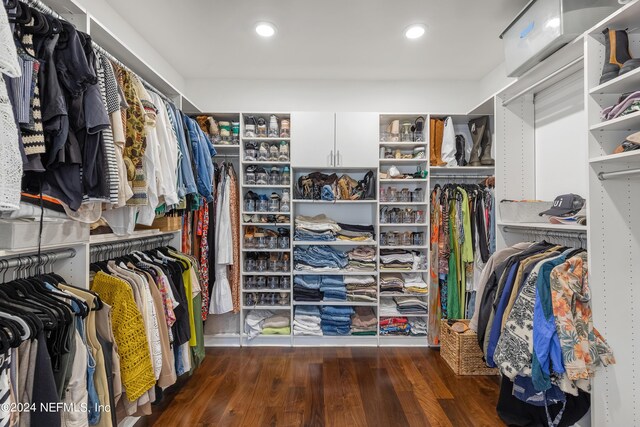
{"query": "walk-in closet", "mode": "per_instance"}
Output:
(319, 213)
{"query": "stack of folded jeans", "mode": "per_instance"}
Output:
(362, 258)
(627, 103)
(306, 320)
(278, 324)
(361, 288)
(411, 305)
(364, 321)
(336, 320)
(414, 283)
(397, 259)
(319, 258)
(333, 288)
(319, 228)
(418, 326)
(391, 283)
(356, 233)
(307, 288)
(395, 326)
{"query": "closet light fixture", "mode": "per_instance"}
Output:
(553, 23)
(265, 29)
(414, 31)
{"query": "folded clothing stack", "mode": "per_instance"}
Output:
(306, 320)
(254, 322)
(418, 326)
(333, 288)
(398, 259)
(627, 103)
(278, 324)
(414, 283)
(395, 326)
(319, 258)
(411, 305)
(336, 320)
(391, 283)
(307, 288)
(362, 258)
(355, 233)
(364, 321)
(361, 288)
(317, 228)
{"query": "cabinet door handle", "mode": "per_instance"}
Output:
(331, 159)
(338, 156)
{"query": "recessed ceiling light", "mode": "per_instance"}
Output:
(414, 31)
(265, 29)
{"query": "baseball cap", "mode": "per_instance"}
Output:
(565, 205)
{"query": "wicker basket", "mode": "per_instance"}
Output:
(165, 223)
(461, 351)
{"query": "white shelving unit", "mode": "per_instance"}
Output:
(405, 166)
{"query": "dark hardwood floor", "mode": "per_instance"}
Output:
(327, 387)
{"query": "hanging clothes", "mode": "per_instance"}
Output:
(222, 299)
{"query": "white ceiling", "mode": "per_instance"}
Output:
(324, 39)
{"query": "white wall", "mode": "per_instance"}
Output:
(560, 141)
(333, 95)
(493, 82)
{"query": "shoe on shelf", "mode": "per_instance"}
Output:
(618, 60)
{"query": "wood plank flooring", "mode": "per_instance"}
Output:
(327, 387)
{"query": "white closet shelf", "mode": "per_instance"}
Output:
(108, 238)
(337, 303)
(335, 273)
(265, 213)
(400, 181)
(621, 84)
(266, 162)
(266, 273)
(402, 294)
(34, 249)
(382, 270)
(247, 138)
(264, 250)
(403, 144)
(403, 203)
(270, 291)
(334, 243)
(326, 202)
(265, 186)
(630, 122)
(264, 224)
(405, 247)
(543, 226)
(267, 307)
(460, 169)
(403, 161)
(628, 157)
(413, 224)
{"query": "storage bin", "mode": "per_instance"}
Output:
(523, 211)
(165, 223)
(23, 233)
(461, 351)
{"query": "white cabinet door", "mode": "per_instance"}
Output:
(357, 139)
(312, 139)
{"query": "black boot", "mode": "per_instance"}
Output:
(460, 150)
(617, 53)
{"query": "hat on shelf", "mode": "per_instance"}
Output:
(565, 205)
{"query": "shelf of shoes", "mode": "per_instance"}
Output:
(266, 255)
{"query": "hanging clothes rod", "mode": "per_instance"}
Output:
(37, 4)
(46, 257)
(603, 176)
(572, 234)
(131, 244)
(542, 81)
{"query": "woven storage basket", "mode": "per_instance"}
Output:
(461, 351)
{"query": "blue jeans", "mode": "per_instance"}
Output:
(304, 236)
(309, 282)
(327, 193)
(320, 256)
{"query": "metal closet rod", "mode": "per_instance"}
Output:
(573, 234)
(37, 4)
(46, 257)
(542, 81)
(602, 176)
(129, 244)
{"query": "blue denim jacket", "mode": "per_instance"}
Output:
(202, 151)
(186, 181)
(495, 331)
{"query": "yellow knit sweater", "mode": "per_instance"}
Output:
(128, 329)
